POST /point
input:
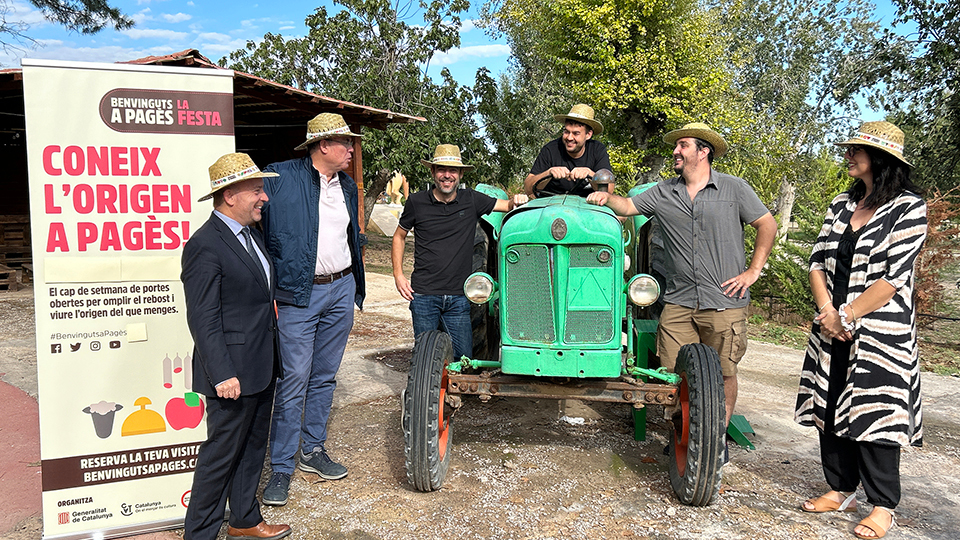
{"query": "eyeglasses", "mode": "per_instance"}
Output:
(853, 149)
(346, 142)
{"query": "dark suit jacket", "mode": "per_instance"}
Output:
(229, 311)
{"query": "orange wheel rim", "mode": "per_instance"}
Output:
(443, 425)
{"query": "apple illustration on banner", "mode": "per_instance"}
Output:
(185, 412)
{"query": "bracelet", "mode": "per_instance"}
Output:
(825, 304)
(848, 326)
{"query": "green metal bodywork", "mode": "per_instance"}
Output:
(561, 270)
(561, 299)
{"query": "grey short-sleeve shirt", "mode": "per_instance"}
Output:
(703, 238)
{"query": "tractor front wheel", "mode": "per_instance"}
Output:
(697, 436)
(427, 430)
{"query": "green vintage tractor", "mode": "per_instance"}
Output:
(563, 296)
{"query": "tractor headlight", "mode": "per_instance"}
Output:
(643, 290)
(479, 287)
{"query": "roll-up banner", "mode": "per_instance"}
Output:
(117, 158)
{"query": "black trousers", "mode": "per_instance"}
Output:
(229, 465)
(848, 463)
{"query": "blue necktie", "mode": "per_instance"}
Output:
(253, 252)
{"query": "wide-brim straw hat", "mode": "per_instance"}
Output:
(882, 135)
(230, 169)
(325, 126)
(583, 114)
(447, 155)
(701, 131)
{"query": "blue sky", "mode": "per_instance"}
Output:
(216, 28)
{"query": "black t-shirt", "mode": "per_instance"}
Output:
(444, 234)
(554, 154)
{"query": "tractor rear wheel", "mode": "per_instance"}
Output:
(427, 429)
(486, 333)
(697, 436)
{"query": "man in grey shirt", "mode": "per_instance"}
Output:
(701, 214)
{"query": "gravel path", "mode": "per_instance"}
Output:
(519, 472)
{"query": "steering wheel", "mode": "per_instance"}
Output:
(553, 187)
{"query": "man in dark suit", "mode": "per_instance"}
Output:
(229, 285)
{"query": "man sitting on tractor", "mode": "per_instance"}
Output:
(566, 164)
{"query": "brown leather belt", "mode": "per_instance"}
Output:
(330, 278)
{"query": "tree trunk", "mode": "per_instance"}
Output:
(643, 129)
(371, 192)
(653, 165)
(784, 206)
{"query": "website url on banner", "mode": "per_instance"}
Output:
(87, 335)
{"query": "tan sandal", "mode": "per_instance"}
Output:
(877, 529)
(825, 504)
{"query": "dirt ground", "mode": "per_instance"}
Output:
(520, 472)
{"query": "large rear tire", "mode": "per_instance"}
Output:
(486, 332)
(427, 428)
(697, 436)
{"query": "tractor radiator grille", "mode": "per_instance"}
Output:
(590, 296)
(588, 327)
(586, 257)
(529, 298)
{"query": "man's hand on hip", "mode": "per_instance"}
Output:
(740, 283)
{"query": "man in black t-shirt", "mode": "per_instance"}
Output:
(444, 223)
(565, 164)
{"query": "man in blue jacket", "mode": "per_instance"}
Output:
(313, 236)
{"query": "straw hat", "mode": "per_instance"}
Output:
(701, 131)
(882, 135)
(325, 126)
(446, 155)
(230, 169)
(583, 114)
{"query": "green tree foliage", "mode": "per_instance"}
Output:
(786, 274)
(923, 95)
(518, 119)
(798, 65)
(83, 16)
(643, 65)
(376, 53)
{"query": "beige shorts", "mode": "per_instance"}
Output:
(725, 331)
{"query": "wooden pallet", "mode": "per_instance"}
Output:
(10, 278)
(15, 243)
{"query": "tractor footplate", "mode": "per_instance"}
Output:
(637, 394)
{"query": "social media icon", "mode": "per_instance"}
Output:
(74, 347)
(114, 344)
(55, 348)
(94, 345)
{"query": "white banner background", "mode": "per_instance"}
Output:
(117, 158)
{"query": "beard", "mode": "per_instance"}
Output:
(447, 191)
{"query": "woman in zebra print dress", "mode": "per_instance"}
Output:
(860, 384)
